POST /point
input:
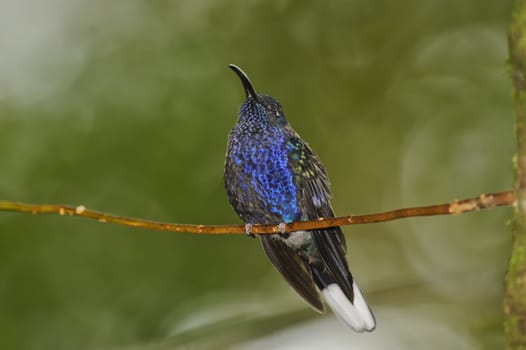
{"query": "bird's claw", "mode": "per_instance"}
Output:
(282, 230)
(248, 230)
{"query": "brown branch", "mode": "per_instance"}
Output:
(515, 281)
(456, 207)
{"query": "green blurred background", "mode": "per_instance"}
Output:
(125, 107)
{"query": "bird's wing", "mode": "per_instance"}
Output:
(314, 197)
(293, 269)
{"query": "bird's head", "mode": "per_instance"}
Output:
(258, 108)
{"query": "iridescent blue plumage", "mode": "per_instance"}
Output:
(272, 176)
(261, 167)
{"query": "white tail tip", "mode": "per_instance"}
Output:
(358, 315)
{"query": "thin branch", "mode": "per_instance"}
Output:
(456, 207)
(515, 281)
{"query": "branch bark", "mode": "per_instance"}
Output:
(456, 207)
(515, 282)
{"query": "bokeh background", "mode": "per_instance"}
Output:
(125, 106)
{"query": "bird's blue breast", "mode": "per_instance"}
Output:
(265, 185)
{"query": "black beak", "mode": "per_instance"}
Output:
(249, 89)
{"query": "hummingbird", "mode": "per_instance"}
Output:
(272, 176)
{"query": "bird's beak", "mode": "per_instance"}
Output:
(249, 89)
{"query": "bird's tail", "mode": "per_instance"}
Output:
(352, 311)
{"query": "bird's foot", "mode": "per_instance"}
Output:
(248, 230)
(282, 230)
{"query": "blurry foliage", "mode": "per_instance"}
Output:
(125, 106)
